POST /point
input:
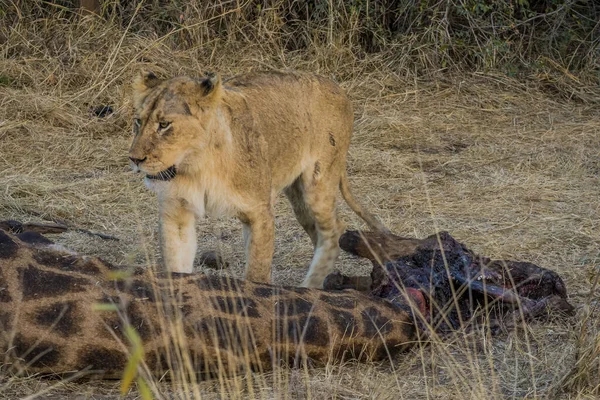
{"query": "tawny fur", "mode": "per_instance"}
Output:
(236, 146)
(190, 324)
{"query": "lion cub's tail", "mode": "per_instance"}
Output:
(358, 209)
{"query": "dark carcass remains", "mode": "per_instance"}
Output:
(456, 286)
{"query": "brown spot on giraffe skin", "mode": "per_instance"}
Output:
(112, 267)
(110, 300)
(39, 284)
(100, 358)
(265, 356)
(68, 263)
(90, 268)
(348, 351)
(8, 248)
(116, 324)
(209, 371)
(315, 332)
(345, 322)
(331, 139)
(139, 323)
(5, 319)
(236, 306)
(34, 238)
(186, 310)
(374, 323)
(57, 260)
(36, 355)
(388, 348)
(59, 316)
(409, 329)
(137, 288)
(204, 367)
(346, 302)
(266, 292)
(220, 283)
(178, 296)
(207, 367)
(308, 328)
(291, 307)
(4, 295)
(157, 360)
(154, 361)
(230, 334)
(260, 360)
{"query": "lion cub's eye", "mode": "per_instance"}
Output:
(162, 125)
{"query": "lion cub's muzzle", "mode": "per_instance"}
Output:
(135, 163)
(165, 175)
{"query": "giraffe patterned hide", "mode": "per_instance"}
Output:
(54, 318)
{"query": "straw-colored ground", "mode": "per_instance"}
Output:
(506, 168)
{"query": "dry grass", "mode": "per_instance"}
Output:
(507, 168)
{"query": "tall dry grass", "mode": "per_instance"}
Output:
(498, 145)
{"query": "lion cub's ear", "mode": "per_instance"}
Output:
(205, 91)
(212, 83)
(143, 82)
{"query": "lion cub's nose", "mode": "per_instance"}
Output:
(138, 161)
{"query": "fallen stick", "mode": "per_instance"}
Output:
(17, 227)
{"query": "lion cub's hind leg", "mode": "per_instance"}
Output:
(259, 237)
(295, 194)
(320, 197)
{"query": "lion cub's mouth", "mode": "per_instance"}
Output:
(165, 175)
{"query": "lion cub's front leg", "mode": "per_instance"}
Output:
(177, 227)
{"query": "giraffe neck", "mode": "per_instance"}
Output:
(50, 321)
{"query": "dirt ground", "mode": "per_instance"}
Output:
(506, 167)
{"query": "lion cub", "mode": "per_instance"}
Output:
(229, 148)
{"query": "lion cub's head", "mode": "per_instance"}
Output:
(171, 121)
